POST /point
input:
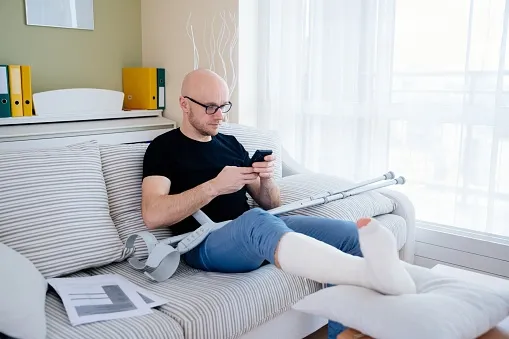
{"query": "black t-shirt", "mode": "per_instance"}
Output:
(189, 163)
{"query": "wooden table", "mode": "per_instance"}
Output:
(501, 331)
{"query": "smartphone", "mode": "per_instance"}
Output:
(259, 155)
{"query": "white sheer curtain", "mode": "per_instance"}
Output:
(357, 88)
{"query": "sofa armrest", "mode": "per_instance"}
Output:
(405, 209)
(404, 206)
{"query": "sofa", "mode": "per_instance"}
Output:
(68, 211)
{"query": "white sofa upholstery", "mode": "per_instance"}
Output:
(202, 304)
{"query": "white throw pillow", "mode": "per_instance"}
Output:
(444, 307)
(22, 297)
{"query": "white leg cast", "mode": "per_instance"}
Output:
(307, 257)
(304, 256)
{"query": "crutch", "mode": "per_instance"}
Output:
(163, 258)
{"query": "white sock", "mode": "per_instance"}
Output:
(386, 270)
(307, 257)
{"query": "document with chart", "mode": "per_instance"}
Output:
(103, 297)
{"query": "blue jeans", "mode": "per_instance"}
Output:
(245, 243)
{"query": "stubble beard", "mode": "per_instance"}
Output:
(200, 127)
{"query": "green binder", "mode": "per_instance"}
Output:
(5, 100)
(161, 88)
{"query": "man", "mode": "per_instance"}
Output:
(195, 167)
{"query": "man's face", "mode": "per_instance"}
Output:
(208, 123)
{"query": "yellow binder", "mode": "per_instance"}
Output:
(15, 90)
(26, 89)
(139, 87)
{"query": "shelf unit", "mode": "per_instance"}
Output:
(80, 116)
(107, 127)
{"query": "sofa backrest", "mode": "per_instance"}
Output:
(70, 208)
(253, 138)
(122, 169)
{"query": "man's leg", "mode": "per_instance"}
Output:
(240, 246)
(244, 243)
(343, 235)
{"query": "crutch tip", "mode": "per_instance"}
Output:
(389, 175)
(400, 180)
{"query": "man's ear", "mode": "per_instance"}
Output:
(184, 104)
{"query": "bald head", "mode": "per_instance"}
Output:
(201, 83)
(203, 88)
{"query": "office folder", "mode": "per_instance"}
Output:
(161, 88)
(26, 89)
(5, 100)
(15, 90)
(144, 87)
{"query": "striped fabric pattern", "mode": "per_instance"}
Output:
(154, 326)
(54, 209)
(303, 186)
(254, 138)
(216, 305)
(122, 170)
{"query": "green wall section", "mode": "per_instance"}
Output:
(71, 58)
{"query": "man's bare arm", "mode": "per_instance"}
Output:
(160, 209)
(266, 193)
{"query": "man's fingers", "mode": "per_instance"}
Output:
(263, 164)
(264, 169)
(250, 176)
(246, 170)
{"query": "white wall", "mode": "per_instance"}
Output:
(248, 66)
(165, 43)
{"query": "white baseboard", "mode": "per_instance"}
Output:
(484, 253)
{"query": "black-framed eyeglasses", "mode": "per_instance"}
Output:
(212, 109)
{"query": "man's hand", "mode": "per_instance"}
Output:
(265, 191)
(232, 178)
(265, 168)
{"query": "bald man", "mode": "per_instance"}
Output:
(195, 167)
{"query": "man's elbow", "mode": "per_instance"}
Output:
(149, 218)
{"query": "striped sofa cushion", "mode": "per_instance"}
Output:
(254, 138)
(217, 305)
(154, 326)
(54, 209)
(122, 170)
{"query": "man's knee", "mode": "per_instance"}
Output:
(257, 212)
(256, 217)
(263, 231)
